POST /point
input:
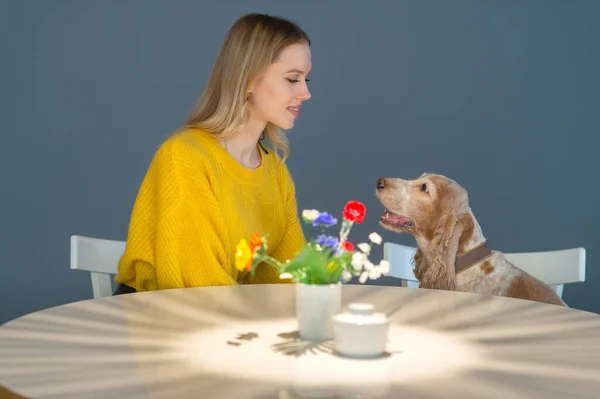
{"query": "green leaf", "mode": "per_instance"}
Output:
(314, 266)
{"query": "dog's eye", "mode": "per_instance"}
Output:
(424, 187)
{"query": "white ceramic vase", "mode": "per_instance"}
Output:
(315, 307)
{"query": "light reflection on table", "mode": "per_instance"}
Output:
(241, 342)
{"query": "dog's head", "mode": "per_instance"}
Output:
(419, 206)
(429, 208)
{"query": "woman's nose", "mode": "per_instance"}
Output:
(305, 95)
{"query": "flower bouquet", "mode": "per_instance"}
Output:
(319, 268)
(323, 260)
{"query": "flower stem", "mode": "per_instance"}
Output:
(272, 262)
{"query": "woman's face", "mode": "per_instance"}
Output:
(278, 94)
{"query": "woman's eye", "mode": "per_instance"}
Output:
(297, 80)
(424, 187)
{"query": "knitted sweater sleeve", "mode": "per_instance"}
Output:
(177, 234)
(293, 238)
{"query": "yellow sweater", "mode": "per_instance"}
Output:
(195, 204)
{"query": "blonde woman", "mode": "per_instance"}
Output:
(214, 182)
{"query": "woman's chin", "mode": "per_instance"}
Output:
(284, 125)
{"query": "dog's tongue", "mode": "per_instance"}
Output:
(399, 219)
(396, 219)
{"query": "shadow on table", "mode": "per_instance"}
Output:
(295, 346)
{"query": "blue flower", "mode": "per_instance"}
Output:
(324, 219)
(326, 241)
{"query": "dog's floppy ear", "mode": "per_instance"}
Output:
(440, 273)
(420, 263)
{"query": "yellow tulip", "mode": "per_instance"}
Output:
(243, 256)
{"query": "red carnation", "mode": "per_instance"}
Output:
(355, 212)
(348, 246)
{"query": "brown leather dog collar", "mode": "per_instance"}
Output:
(468, 259)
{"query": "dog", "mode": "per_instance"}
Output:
(452, 251)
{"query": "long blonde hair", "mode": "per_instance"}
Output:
(253, 43)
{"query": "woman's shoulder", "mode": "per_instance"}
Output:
(184, 159)
(188, 144)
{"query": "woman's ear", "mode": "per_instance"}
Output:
(440, 273)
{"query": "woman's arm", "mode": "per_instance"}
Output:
(177, 235)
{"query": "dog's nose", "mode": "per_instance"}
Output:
(380, 183)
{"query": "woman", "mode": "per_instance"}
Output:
(213, 182)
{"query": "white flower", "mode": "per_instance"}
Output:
(285, 276)
(310, 214)
(375, 273)
(384, 265)
(358, 260)
(363, 246)
(363, 277)
(376, 238)
(368, 265)
(346, 275)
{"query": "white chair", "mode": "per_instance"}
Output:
(98, 256)
(400, 258)
(555, 268)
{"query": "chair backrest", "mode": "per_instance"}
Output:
(554, 268)
(400, 258)
(98, 256)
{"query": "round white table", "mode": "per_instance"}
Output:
(240, 342)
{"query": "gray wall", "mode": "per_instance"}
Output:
(500, 95)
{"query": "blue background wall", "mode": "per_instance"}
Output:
(500, 95)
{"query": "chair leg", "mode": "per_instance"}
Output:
(101, 286)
